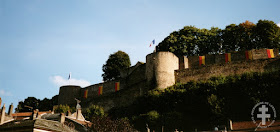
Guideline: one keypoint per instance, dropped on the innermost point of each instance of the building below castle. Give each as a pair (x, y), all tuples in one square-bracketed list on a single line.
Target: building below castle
[(164, 69), (42, 121)]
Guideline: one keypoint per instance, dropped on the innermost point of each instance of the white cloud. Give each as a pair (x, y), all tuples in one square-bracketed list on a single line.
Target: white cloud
[(5, 93), (60, 81), (278, 24)]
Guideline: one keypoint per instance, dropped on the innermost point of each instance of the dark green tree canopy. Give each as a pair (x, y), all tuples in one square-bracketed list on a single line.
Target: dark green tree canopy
[(92, 111), (191, 41), (267, 34), (245, 36), (116, 62), (28, 105), (32, 103)]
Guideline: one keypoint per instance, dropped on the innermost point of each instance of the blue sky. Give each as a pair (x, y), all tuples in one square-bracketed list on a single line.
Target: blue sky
[(41, 41)]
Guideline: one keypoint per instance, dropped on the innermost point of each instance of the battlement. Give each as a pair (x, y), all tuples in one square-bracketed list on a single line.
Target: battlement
[(204, 67), (255, 54), (164, 69)]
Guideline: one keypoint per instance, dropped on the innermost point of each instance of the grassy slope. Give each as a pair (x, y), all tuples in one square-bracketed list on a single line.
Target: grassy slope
[(203, 104)]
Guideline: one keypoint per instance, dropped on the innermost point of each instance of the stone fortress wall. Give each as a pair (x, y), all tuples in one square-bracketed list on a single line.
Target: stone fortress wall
[(160, 69), (164, 69)]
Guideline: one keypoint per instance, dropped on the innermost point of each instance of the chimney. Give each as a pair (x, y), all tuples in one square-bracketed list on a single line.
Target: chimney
[(34, 114), (62, 118), (10, 112), (69, 113), (0, 101), (38, 114), (3, 114), (79, 114), (230, 124)]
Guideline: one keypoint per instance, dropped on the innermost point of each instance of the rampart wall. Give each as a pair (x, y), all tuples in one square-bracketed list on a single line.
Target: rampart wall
[(131, 87), (216, 65), (255, 54), (135, 79), (164, 69)]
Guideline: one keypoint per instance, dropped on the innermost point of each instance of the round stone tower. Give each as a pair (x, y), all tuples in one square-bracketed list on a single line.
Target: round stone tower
[(160, 68), (67, 94)]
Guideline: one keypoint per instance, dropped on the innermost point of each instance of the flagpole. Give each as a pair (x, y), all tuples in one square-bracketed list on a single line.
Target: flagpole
[(152, 43), (69, 77)]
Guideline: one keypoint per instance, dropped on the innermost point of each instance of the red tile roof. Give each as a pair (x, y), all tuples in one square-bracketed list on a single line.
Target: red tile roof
[(249, 125), (22, 114), (26, 114)]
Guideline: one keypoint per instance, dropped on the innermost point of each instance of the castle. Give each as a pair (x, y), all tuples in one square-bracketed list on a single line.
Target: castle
[(164, 69)]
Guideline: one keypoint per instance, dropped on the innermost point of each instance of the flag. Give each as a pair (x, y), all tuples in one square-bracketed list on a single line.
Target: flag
[(248, 55), (270, 53), (201, 60), (100, 90), (69, 77), (153, 42), (85, 93), (228, 57), (117, 86)]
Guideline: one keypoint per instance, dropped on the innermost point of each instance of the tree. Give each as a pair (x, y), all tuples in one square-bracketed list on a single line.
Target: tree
[(239, 37), (116, 62), (93, 110), (29, 104), (209, 41), (192, 41), (230, 37), (180, 42), (54, 100), (247, 38), (32, 103), (45, 105), (267, 34), (63, 109)]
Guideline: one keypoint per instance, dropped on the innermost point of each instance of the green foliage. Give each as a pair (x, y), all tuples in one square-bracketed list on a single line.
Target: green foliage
[(116, 63), (105, 124), (267, 34), (192, 41), (45, 104), (230, 37), (29, 104), (203, 104), (63, 109), (92, 111), (152, 116), (32, 103)]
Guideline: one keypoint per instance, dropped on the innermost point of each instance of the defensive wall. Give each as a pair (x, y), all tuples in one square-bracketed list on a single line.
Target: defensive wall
[(256, 60), (164, 69), (158, 72)]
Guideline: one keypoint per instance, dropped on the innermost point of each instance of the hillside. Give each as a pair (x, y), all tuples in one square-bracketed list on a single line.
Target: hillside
[(203, 104)]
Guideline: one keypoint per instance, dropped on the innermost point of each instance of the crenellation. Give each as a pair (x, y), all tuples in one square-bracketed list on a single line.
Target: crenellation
[(218, 58), (164, 69), (259, 54), (183, 62), (238, 56)]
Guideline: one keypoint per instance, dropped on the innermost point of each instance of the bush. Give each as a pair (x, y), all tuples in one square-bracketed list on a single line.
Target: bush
[(63, 109), (105, 124), (92, 111)]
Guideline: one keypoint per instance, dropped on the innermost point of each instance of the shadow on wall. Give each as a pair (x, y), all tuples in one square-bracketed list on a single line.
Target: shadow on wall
[(161, 71), (234, 68)]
